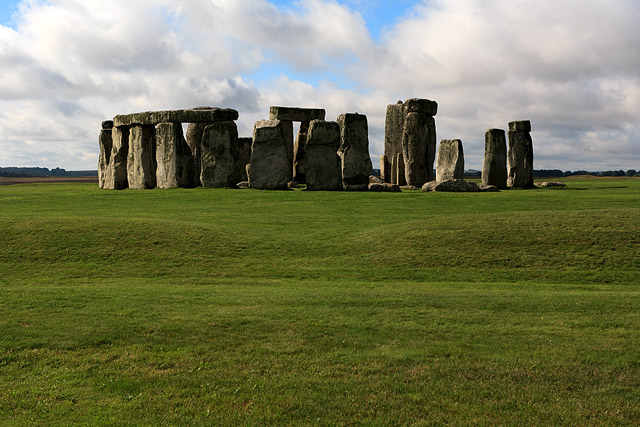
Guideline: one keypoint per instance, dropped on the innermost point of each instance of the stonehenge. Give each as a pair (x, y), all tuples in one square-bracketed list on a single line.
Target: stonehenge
[(150, 150)]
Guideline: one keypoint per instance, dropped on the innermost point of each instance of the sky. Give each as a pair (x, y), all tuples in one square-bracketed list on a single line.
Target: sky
[(572, 67)]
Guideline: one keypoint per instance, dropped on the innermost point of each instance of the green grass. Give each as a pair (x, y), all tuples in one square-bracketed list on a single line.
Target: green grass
[(245, 307)]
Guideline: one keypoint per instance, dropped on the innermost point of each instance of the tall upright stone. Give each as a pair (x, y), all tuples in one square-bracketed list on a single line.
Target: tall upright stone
[(219, 148), (393, 129), (323, 161), (269, 168), (299, 150), (116, 174), (385, 168), (450, 160), (354, 149), (176, 166), (415, 147), (141, 161), (494, 168), (393, 179), (520, 155), (401, 177), (194, 142), (243, 157), (106, 143)]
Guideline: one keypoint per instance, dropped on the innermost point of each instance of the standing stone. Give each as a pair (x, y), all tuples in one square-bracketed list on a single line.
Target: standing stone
[(415, 146), (287, 129), (400, 170), (354, 149), (176, 164), (106, 143), (393, 130), (243, 157), (141, 161), (219, 147), (269, 166), (394, 169), (194, 141), (116, 175), (494, 168), (323, 161), (450, 160), (385, 169), (299, 161), (431, 148), (520, 155)]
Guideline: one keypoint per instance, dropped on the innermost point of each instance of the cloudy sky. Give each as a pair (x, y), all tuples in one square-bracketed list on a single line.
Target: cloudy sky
[(570, 66)]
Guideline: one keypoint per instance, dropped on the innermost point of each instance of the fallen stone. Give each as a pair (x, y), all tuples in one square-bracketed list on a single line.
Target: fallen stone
[(106, 144), (488, 188), (116, 173), (376, 180), (415, 141), (520, 160), (384, 187), (218, 166), (269, 168), (354, 149), (243, 184), (494, 168), (175, 163), (295, 114), (451, 185), (450, 160), (424, 106), (323, 169), (408, 187), (552, 184), (521, 126), (194, 115), (141, 161), (357, 187)]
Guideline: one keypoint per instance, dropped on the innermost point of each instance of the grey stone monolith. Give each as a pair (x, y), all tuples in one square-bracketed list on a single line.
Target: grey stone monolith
[(269, 168), (141, 161), (393, 179), (323, 169), (401, 177), (116, 174), (385, 168), (176, 165), (243, 157), (299, 161), (194, 141), (219, 147), (287, 129), (354, 149), (450, 160), (415, 148), (393, 128), (106, 143), (520, 155), (494, 168)]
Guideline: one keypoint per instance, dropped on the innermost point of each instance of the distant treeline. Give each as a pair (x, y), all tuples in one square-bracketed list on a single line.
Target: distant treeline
[(14, 172), (557, 173)]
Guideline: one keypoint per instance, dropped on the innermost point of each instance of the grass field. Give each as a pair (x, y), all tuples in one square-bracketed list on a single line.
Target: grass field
[(245, 307)]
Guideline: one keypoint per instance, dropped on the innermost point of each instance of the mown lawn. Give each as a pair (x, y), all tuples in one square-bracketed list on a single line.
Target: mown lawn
[(245, 307)]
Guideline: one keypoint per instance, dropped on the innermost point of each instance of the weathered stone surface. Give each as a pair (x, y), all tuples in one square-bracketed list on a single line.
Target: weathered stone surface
[(243, 157), (116, 174), (393, 129), (354, 149), (415, 146), (175, 163), (394, 169), (323, 163), (107, 125), (357, 187), (424, 106), (195, 115), (385, 169), (219, 145), (296, 114), (269, 168), (520, 160), (299, 159), (450, 160), (452, 185), (141, 161), (431, 148), (552, 184), (488, 188), (106, 144), (287, 129), (384, 187), (400, 170), (408, 187), (194, 141), (521, 125), (494, 168), (376, 180)]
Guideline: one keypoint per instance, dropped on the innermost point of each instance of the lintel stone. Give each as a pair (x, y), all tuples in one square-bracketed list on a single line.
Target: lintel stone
[(521, 126), (295, 114), (198, 115), (424, 106)]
